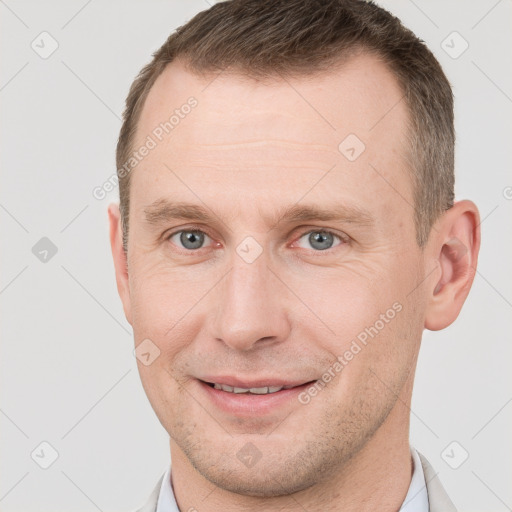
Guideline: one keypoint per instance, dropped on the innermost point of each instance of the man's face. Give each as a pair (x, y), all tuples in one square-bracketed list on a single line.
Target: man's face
[(253, 297)]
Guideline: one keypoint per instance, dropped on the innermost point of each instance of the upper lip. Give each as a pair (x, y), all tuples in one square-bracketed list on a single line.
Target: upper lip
[(252, 383)]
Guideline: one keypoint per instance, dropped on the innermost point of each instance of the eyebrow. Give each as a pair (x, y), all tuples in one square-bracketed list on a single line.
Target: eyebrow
[(163, 211)]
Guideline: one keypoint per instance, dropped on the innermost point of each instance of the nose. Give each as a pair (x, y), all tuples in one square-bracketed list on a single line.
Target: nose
[(251, 306)]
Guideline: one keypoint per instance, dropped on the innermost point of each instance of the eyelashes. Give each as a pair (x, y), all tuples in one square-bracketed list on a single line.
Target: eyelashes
[(325, 234), (192, 240)]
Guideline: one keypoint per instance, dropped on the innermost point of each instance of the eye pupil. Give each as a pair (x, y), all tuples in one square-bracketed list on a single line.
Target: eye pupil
[(321, 240), (192, 239)]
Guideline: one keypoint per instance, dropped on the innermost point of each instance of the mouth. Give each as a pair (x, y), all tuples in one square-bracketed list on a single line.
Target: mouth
[(259, 390), (250, 399)]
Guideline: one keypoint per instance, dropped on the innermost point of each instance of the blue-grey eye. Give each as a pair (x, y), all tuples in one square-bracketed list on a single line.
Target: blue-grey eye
[(190, 239), (320, 240)]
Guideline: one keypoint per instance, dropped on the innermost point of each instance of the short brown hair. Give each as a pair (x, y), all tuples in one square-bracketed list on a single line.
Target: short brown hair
[(272, 38)]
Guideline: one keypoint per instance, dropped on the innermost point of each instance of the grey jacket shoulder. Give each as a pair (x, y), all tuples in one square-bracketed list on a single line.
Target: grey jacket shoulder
[(152, 502), (438, 500)]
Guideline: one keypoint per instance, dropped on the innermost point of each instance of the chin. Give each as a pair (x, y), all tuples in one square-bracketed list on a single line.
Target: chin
[(260, 482), (270, 476)]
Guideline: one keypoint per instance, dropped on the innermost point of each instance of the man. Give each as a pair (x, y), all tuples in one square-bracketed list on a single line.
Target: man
[(286, 231)]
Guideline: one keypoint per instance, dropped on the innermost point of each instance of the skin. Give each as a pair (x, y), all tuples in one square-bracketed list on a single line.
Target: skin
[(247, 151)]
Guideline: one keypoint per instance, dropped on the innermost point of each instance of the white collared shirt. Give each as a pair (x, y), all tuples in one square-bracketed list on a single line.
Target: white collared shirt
[(416, 499)]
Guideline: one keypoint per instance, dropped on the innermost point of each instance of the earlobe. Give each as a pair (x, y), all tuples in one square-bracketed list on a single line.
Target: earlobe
[(456, 243), (120, 259)]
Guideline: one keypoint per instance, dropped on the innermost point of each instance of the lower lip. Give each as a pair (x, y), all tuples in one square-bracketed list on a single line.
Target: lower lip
[(248, 404)]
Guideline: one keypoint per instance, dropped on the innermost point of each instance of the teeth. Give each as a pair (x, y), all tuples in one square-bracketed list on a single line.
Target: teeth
[(259, 391), (256, 391)]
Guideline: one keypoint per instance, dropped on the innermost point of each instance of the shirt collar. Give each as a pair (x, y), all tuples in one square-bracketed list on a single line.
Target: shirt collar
[(416, 499), (166, 499)]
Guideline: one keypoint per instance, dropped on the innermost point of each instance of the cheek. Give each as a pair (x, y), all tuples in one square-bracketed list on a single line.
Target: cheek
[(347, 298), (367, 308), (162, 296), (158, 304)]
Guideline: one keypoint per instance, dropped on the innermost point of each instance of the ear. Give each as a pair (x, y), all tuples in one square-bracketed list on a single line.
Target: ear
[(454, 247), (120, 259)]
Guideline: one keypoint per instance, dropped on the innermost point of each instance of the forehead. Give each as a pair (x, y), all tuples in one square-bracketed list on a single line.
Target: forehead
[(354, 97), (251, 135)]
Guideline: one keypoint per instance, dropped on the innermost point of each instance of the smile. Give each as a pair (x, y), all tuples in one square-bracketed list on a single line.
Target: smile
[(249, 399), (264, 390)]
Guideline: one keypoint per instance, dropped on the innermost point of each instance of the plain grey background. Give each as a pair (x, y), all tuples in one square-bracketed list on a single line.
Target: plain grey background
[(68, 374)]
